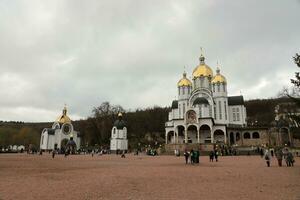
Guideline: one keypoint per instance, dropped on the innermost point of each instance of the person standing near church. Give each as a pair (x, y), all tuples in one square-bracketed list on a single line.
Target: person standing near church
[(279, 156), (186, 155), (267, 157)]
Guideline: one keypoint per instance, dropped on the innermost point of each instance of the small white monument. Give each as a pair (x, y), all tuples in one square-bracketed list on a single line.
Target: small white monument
[(118, 141)]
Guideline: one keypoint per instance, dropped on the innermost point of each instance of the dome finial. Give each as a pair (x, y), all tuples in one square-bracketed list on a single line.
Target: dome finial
[(218, 68), (184, 73), (202, 58), (65, 110)]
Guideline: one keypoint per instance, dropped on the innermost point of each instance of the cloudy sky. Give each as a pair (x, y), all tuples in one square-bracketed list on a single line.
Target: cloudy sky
[(132, 52)]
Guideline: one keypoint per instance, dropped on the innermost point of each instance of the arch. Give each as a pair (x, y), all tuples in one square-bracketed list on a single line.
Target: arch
[(219, 136), (247, 135), (232, 140), (205, 134), (170, 137), (237, 136), (192, 134), (255, 135), (63, 144), (180, 130)]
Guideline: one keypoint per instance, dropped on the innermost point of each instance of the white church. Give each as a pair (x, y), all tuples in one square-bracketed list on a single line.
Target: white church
[(203, 111), (60, 135)]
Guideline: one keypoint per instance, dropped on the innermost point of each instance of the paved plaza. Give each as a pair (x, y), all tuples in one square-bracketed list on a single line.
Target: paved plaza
[(143, 177)]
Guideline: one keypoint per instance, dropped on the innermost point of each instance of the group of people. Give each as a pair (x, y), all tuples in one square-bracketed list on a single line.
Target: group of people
[(213, 155), (193, 156), (280, 155)]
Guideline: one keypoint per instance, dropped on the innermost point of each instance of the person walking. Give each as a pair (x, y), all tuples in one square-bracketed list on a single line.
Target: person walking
[(216, 155), (290, 159), (53, 154), (267, 157), (211, 156), (186, 155), (192, 156), (279, 156)]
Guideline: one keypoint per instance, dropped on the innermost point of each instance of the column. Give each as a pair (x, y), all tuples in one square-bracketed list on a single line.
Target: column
[(211, 136), (174, 137), (225, 138), (185, 134), (198, 136), (166, 137)]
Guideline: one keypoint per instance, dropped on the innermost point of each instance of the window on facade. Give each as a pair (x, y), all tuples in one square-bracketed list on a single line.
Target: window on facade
[(233, 114), (237, 116), (210, 114), (201, 82), (179, 108), (213, 87), (224, 88), (225, 110), (179, 91), (220, 110), (183, 90), (218, 87), (246, 135), (183, 109)]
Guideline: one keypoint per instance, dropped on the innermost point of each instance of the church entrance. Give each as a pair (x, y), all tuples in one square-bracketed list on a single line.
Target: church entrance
[(63, 144), (232, 141), (192, 134), (219, 137), (204, 134), (180, 134)]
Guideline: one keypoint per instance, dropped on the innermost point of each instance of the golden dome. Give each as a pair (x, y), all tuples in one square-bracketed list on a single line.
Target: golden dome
[(218, 78), (63, 118), (202, 69), (184, 81)]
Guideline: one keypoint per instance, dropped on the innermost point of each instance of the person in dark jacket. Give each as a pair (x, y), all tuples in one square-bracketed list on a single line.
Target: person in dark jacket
[(192, 156), (211, 156), (186, 155)]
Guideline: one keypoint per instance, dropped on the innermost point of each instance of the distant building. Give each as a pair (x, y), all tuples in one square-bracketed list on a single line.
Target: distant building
[(118, 141), (60, 134)]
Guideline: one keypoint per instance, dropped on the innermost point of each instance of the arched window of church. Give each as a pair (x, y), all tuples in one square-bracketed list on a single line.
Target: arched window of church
[(220, 110), (218, 87), (183, 90), (213, 88), (183, 108), (246, 135), (201, 82), (255, 135)]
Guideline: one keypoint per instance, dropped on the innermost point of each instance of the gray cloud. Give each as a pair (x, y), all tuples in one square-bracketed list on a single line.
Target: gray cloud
[(132, 53)]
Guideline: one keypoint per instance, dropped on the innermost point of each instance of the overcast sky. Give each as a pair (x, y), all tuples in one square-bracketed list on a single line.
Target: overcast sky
[(132, 53)]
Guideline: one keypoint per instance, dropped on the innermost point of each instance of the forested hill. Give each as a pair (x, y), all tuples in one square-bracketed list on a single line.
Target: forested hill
[(144, 126)]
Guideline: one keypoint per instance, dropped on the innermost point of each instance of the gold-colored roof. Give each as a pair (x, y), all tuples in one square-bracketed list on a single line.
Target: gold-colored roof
[(202, 69), (218, 78), (184, 81), (63, 118)]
